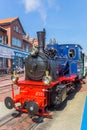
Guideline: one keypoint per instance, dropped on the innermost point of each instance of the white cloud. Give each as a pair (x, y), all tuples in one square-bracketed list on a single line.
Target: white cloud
[(53, 4), (35, 5), (39, 6), (31, 5)]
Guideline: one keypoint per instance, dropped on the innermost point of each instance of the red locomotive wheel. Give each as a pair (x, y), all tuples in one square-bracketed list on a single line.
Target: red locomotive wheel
[(9, 102)]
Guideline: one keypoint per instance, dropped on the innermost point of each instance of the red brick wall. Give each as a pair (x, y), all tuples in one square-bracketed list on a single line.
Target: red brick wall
[(19, 35), (8, 28), (11, 32)]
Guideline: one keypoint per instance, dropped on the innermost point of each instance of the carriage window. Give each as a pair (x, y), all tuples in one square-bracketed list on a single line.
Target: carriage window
[(71, 53)]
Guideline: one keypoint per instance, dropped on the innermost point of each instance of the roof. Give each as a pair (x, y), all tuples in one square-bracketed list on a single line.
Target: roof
[(70, 45), (9, 21), (3, 29)]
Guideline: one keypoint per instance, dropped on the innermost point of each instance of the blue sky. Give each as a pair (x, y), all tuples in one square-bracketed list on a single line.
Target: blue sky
[(65, 20)]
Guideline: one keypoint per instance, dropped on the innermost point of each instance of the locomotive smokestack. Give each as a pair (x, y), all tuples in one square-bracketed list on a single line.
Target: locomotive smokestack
[(41, 40)]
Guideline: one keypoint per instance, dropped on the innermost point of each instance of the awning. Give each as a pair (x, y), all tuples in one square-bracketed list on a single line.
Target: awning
[(6, 52), (10, 52)]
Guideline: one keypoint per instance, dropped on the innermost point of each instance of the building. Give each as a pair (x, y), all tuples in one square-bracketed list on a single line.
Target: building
[(14, 43), (34, 41)]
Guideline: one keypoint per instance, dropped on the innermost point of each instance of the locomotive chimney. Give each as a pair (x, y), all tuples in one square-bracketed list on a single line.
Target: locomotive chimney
[(41, 40)]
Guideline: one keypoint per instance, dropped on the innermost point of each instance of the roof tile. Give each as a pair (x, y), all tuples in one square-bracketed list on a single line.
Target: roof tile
[(8, 20)]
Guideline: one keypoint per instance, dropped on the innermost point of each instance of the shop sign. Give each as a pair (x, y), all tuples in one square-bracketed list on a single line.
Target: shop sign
[(18, 54), (6, 52)]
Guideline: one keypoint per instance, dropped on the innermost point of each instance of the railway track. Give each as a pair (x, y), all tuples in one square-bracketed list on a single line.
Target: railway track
[(19, 121), (16, 120), (8, 118), (22, 121), (6, 90)]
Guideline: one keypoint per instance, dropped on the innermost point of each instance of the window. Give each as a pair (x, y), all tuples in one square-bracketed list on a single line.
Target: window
[(72, 53), (27, 49), (1, 39), (80, 55), (6, 40), (16, 42), (16, 29)]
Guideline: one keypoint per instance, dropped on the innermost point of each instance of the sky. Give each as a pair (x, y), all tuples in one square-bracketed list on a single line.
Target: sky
[(64, 20)]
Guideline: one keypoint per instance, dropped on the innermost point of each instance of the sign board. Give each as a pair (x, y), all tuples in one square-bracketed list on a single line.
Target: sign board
[(6, 52), (9, 52)]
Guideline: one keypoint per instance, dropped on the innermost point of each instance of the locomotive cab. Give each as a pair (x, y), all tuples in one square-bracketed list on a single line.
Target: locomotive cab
[(73, 52)]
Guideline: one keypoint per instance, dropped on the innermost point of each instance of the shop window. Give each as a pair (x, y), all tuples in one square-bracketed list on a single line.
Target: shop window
[(16, 42)]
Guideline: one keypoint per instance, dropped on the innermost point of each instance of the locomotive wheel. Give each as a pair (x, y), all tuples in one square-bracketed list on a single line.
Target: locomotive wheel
[(32, 107), (58, 95), (9, 102), (56, 99)]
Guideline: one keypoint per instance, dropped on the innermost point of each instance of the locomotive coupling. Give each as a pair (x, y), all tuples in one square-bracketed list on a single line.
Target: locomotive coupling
[(47, 78), (14, 77)]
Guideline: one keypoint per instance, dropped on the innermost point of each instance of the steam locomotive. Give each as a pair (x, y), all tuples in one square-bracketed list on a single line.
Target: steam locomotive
[(51, 72)]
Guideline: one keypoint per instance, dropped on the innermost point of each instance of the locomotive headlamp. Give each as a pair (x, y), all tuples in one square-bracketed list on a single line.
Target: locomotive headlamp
[(47, 79), (14, 77), (33, 51)]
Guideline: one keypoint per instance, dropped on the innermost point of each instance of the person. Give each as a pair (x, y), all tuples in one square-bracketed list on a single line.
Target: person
[(7, 70)]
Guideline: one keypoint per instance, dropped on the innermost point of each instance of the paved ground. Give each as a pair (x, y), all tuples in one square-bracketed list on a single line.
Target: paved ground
[(67, 117), (6, 92), (70, 117), (3, 110)]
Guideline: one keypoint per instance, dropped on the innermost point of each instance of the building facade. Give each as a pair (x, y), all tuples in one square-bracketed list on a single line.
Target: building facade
[(14, 43)]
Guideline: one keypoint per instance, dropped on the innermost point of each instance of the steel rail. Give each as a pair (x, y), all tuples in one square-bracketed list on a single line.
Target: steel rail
[(8, 117)]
